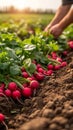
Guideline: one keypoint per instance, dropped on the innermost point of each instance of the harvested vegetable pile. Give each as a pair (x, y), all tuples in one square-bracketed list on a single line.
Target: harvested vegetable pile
[(36, 80)]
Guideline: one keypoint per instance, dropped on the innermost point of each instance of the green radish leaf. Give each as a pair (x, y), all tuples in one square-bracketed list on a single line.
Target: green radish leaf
[(11, 53), (44, 60), (2, 44), (14, 70), (21, 79), (2, 78), (4, 66), (32, 68), (3, 55), (29, 47), (18, 51), (13, 43), (54, 46), (27, 63)]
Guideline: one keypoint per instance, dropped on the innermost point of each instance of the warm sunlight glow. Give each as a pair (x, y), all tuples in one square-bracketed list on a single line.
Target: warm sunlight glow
[(34, 4), (20, 4)]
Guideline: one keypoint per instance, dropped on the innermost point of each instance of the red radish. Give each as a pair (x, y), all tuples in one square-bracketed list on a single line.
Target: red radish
[(25, 74), (54, 55), (34, 84), (12, 86), (2, 86), (38, 66), (50, 66), (65, 53), (70, 43), (2, 117), (39, 76), (49, 72), (44, 72), (63, 64), (16, 94), (40, 70), (7, 92), (23, 69), (30, 78), (27, 92), (57, 67), (33, 78), (59, 59)]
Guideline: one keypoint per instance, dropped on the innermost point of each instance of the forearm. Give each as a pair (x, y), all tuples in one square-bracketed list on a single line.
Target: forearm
[(62, 11), (67, 20)]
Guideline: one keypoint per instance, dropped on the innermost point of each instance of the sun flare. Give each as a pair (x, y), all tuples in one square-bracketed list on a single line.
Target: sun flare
[(33, 4), (20, 4)]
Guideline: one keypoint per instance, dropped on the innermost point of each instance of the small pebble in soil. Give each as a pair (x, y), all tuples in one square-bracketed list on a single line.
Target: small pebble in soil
[(60, 120), (58, 110), (49, 113), (35, 124), (53, 126)]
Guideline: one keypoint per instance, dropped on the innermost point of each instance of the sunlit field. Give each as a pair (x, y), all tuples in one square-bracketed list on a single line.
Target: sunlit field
[(44, 18), (36, 71)]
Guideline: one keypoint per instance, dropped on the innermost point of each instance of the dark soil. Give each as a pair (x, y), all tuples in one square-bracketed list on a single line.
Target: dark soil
[(50, 109)]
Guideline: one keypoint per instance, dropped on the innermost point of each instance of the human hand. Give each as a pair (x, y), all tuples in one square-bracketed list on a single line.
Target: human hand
[(47, 28), (56, 30)]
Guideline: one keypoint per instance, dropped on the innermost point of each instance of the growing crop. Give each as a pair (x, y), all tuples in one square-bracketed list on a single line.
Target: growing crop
[(29, 56), (24, 63)]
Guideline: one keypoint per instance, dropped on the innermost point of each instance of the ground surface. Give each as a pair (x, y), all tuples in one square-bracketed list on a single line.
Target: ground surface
[(50, 109)]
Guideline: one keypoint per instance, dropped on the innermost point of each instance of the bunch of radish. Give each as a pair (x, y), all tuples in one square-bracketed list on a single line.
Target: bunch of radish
[(13, 90), (59, 59), (26, 90)]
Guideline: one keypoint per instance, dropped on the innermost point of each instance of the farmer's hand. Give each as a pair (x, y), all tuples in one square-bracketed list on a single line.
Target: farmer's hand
[(47, 28), (56, 30)]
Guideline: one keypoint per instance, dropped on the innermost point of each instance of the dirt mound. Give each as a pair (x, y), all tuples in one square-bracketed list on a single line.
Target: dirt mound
[(50, 109)]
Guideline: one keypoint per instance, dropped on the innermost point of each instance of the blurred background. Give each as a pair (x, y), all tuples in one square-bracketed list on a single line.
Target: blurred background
[(24, 17), (43, 5)]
